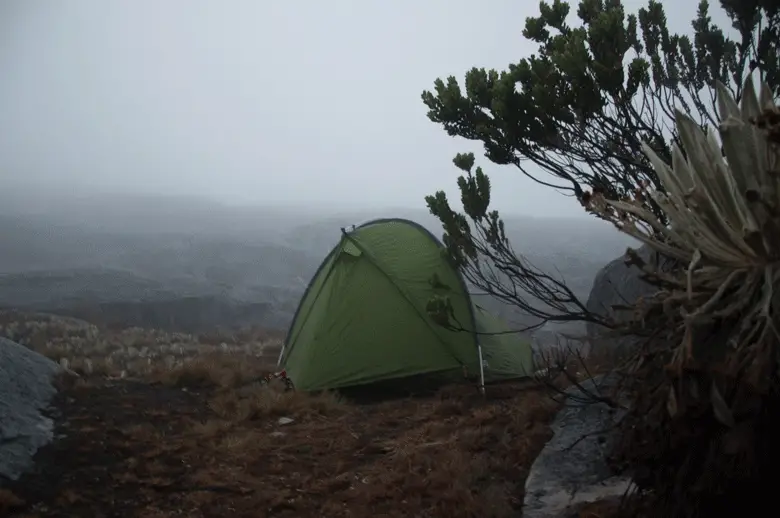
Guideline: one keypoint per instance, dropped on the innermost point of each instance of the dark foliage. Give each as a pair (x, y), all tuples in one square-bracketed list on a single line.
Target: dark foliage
[(579, 110)]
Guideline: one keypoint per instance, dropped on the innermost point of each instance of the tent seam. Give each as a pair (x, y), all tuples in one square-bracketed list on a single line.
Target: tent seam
[(406, 297)]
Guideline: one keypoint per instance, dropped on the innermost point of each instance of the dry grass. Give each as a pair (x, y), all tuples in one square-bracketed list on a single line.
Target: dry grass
[(225, 452), (133, 353), (213, 369), (199, 438)]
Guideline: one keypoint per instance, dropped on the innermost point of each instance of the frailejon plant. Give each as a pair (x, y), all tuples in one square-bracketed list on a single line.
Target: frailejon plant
[(706, 391), (722, 202)]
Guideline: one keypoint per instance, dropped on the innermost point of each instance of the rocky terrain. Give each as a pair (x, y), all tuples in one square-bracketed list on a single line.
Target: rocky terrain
[(153, 424), (157, 424)]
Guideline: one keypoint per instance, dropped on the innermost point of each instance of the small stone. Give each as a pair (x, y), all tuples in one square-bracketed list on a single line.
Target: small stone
[(285, 420)]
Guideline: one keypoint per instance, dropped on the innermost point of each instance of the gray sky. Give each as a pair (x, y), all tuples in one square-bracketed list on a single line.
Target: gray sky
[(253, 101)]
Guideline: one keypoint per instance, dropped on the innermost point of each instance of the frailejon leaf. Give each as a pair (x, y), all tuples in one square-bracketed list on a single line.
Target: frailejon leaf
[(727, 106), (671, 403), (720, 408), (693, 388)]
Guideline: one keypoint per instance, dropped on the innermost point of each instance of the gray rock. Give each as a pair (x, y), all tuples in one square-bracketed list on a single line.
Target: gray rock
[(572, 468), (25, 391), (615, 284)]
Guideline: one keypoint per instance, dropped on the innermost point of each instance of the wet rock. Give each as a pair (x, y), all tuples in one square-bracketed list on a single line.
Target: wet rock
[(25, 392), (572, 468), (616, 284)]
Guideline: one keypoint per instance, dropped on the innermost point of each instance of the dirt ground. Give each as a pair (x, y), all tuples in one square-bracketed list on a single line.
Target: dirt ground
[(193, 444)]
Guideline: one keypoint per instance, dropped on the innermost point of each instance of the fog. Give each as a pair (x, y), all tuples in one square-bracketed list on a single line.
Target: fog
[(249, 102)]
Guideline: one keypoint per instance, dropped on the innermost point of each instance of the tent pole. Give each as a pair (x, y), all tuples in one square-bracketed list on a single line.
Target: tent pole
[(481, 371), (279, 361)]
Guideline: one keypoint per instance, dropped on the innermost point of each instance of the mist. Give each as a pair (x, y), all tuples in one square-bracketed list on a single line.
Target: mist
[(252, 103)]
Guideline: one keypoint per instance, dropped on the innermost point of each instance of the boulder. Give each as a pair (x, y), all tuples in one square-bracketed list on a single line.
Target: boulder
[(26, 390), (572, 469), (615, 284)]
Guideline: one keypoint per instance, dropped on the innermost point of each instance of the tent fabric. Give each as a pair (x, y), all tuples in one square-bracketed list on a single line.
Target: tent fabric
[(503, 356), (363, 318)]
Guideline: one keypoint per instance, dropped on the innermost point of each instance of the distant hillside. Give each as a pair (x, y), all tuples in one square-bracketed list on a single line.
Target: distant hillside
[(188, 314), (152, 261)]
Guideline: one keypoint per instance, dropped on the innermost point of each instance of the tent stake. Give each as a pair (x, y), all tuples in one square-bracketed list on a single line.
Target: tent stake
[(279, 361), (481, 371)]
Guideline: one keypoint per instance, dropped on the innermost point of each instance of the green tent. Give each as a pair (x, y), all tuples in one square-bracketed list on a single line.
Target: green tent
[(363, 318)]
